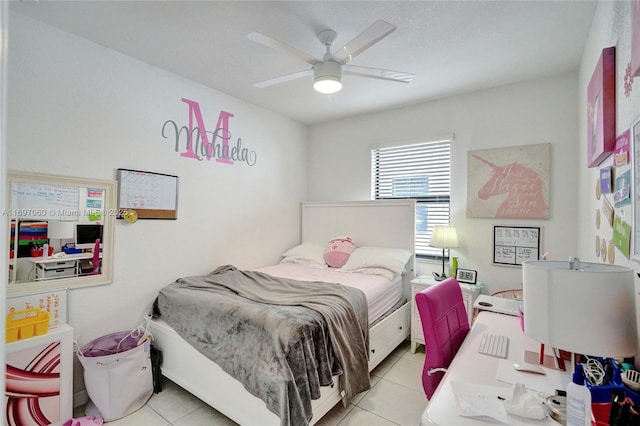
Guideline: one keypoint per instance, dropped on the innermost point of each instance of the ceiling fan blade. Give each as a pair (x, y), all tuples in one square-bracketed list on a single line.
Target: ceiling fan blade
[(402, 77), (275, 44), (373, 34), (283, 78)]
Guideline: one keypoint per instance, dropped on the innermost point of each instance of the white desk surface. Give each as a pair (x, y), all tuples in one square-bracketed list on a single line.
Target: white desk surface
[(67, 257), (471, 367), (497, 304)]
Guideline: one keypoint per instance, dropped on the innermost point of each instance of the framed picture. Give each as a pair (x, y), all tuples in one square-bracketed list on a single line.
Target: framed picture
[(635, 188), (466, 276), (513, 245), (150, 195), (601, 109), (498, 180)]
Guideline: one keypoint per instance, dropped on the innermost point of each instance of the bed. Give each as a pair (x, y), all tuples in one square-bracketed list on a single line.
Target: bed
[(371, 224)]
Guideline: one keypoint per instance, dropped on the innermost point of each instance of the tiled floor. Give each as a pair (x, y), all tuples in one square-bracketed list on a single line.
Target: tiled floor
[(395, 398)]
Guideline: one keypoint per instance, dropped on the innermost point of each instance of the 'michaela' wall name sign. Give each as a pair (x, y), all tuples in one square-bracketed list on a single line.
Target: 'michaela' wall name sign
[(199, 143)]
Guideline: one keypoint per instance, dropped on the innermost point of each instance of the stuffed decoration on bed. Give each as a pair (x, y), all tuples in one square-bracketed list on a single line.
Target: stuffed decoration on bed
[(338, 251)]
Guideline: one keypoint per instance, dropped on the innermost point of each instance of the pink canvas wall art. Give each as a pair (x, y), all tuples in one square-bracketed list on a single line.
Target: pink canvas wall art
[(601, 109), (509, 182), (33, 386)]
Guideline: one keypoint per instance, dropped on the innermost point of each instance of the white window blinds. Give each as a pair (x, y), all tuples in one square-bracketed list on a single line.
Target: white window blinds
[(418, 171)]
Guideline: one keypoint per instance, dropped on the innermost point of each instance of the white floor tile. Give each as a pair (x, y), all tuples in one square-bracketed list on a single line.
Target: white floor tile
[(385, 365), (407, 373), (204, 416), (173, 402), (335, 415), (143, 417), (394, 402), (360, 417)]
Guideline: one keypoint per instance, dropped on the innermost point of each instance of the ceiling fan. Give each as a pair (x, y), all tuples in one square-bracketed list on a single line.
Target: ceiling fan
[(327, 72)]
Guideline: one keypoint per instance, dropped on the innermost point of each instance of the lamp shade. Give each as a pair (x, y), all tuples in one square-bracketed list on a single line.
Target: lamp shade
[(444, 236), (327, 77), (589, 310), (60, 229)]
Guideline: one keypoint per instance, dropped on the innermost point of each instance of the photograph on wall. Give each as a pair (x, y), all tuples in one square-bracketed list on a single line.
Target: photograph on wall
[(622, 235), (621, 153), (601, 109), (509, 183), (606, 175), (622, 190)]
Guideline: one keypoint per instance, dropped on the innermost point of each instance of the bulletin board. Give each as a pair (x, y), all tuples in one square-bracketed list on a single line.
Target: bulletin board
[(151, 195), (513, 245)]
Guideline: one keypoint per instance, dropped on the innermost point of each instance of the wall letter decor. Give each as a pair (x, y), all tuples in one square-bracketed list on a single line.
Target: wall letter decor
[(199, 143)]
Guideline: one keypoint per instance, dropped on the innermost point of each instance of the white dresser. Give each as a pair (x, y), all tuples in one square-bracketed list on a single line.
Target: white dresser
[(469, 294)]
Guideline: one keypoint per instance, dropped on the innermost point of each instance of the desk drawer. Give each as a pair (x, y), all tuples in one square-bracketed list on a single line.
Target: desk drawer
[(63, 264), (55, 270)]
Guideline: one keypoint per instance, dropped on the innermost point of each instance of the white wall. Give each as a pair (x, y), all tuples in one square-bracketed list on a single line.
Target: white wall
[(79, 109), (611, 26), (535, 112)]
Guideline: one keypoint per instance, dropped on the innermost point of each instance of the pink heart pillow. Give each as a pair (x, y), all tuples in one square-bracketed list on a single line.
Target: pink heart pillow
[(338, 251)]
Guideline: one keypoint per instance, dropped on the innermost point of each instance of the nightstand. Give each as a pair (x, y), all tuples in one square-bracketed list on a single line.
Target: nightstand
[(469, 294)]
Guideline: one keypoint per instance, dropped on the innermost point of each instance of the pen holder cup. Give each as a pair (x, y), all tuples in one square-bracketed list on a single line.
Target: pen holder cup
[(39, 252)]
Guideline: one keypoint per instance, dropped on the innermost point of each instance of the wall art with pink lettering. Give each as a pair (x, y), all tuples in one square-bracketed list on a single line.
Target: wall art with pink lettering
[(509, 183)]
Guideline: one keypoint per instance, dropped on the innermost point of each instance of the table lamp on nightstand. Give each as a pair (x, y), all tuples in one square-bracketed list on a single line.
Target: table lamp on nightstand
[(444, 237), (584, 308)]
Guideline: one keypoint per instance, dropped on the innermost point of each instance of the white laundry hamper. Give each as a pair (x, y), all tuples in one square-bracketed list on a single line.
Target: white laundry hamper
[(117, 373)]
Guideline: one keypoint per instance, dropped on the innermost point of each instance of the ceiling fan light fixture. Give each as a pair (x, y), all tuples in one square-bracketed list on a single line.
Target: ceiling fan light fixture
[(327, 77)]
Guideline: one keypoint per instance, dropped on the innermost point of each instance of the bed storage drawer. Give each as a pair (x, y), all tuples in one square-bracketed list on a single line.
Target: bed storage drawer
[(385, 336)]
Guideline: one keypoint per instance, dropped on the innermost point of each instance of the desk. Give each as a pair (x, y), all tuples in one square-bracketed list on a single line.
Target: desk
[(49, 268), (500, 305), (472, 367)]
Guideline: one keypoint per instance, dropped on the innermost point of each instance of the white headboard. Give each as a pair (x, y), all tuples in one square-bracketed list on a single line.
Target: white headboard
[(379, 223)]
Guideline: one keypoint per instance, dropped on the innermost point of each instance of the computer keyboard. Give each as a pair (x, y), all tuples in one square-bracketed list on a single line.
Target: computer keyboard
[(494, 345)]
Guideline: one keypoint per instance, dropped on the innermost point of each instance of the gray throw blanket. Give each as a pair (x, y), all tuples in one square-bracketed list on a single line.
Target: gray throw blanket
[(282, 348)]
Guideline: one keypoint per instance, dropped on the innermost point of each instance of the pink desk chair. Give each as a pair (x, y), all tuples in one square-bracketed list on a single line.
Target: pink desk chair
[(96, 259), (445, 325)]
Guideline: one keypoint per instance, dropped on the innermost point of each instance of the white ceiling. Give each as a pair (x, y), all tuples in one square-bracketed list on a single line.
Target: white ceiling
[(452, 47)]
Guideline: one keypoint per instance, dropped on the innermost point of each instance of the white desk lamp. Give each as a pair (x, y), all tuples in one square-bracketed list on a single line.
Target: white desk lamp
[(444, 237), (584, 308), (61, 229)]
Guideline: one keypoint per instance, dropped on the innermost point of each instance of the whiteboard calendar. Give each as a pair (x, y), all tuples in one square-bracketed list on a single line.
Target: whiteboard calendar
[(513, 245), (151, 195)]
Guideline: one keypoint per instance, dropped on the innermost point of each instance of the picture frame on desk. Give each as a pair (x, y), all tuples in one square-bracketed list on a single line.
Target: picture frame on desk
[(467, 276)]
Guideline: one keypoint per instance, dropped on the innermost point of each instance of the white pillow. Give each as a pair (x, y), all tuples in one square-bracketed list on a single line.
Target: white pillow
[(393, 259), (306, 253)]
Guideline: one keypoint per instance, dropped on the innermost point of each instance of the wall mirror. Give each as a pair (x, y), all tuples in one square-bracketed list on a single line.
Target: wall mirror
[(62, 231)]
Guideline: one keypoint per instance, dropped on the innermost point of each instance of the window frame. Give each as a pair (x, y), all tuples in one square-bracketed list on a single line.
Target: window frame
[(423, 251)]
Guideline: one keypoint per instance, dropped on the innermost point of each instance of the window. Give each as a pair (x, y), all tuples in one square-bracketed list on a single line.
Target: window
[(420, 171)]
